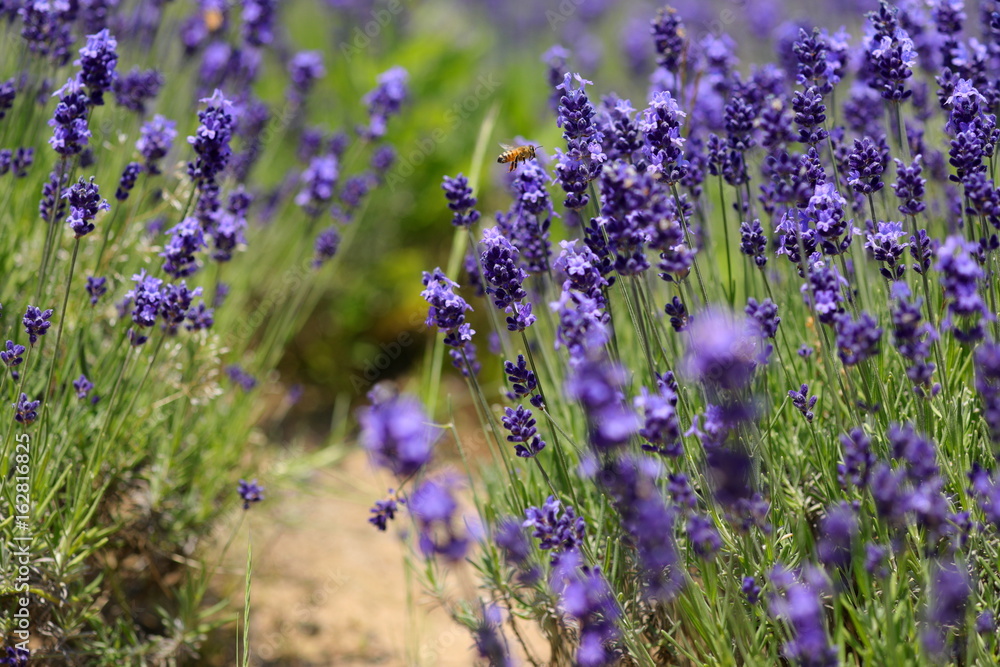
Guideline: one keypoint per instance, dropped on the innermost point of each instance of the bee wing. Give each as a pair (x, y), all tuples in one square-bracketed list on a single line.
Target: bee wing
[(506, 147)]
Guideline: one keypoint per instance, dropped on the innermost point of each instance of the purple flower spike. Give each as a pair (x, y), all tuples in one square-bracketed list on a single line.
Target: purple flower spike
[(753, 242), (384, 511), (987, 364), (13, 355), (959, 278), (909, 187), (949, 596), (327, 243), (866, 163), (186, 239), (434, 508), (664, 146), (305, 68), (70, 132), (857, 340), (83, 386), (798, 603), (319, 181), (25, 411), (751, 590), (460, 201), (36, 323), (398, 434), (556, 528), (211, 141), (84, 204), (155, 140), (803, 402), (721, 352), (885, 247), (669, 38), (250, 492), (385, 100), (129, 176), (137, 88), (597, 385), (521, 424), (704, 536), (98, 60), (661, 428)]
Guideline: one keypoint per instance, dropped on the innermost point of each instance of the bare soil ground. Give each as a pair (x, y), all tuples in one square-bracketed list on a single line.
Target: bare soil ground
[(330, 589)]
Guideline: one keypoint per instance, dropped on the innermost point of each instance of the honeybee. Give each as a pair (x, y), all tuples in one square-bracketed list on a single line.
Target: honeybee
[(214, 18), (516, 154)]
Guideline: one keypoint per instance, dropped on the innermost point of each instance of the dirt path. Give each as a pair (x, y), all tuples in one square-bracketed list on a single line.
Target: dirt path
[(329, 589)]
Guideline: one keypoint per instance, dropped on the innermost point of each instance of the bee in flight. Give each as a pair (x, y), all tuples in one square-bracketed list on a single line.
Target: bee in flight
[(516, 154)]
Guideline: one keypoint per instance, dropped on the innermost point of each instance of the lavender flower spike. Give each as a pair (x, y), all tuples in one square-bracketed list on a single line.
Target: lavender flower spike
[(84, 204)]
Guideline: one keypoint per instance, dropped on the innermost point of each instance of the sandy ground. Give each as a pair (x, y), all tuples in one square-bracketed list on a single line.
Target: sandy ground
[(328, 588)]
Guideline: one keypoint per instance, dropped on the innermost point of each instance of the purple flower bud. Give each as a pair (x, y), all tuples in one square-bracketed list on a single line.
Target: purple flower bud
[(721, 352), (753, 242), (703, 535), (83, 386), (798, 603), (259, 21), (155, 140), (669, 38), (385, 100), (909, 187), (8, 91), (98, 60), (664, 145), (319, 182), (129, 175), (837, 531), (36, 323), (866, 163), (521, 424), (803, 402), (13, 355), (751, 590), (383, 512), (137, 88), (25, 411), (211, 141), (186, 239), (23, 159), (557, 528), (327, 243), (885, 247), (305, 68), (810, 116), (959, 277), (70, 132), (434, 507), (84, 204), (397, 433), (250, 492), (857, 340), (597, 385)]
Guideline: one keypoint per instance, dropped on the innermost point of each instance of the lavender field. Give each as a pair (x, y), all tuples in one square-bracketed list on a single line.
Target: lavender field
[(600, 333)]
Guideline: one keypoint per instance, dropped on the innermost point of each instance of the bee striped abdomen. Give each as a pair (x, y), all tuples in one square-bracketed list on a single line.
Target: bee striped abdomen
[(515, 155)]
